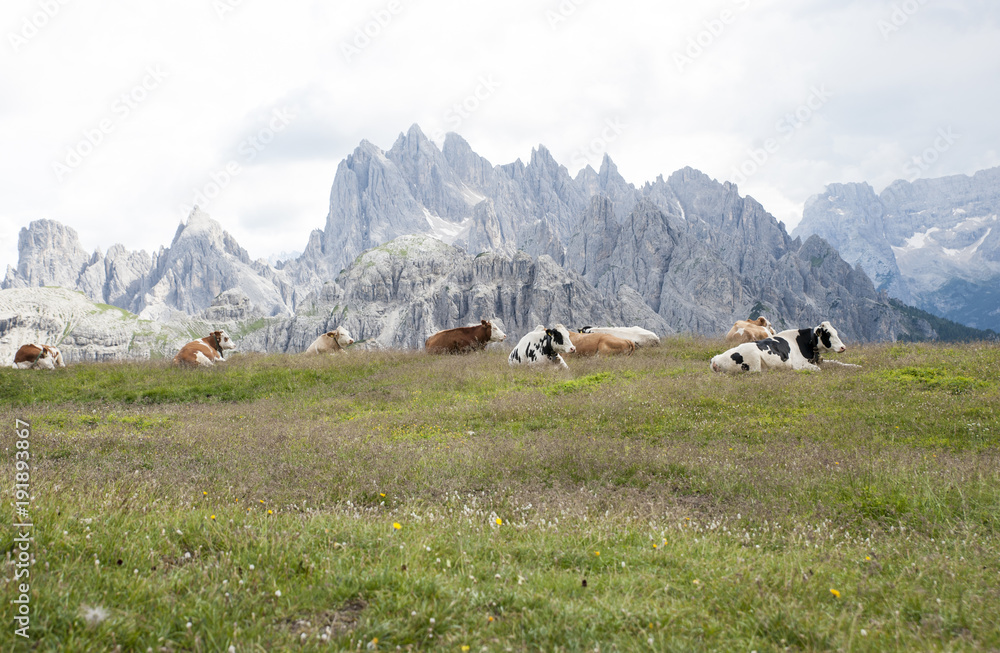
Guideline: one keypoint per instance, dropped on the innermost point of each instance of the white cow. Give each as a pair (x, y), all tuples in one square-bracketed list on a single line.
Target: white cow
[(641, 337), (543, 345), (331, 342), (796, 349)]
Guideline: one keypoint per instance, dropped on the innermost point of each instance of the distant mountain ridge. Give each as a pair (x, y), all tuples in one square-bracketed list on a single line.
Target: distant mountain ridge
[(681, 254), (933, 243)]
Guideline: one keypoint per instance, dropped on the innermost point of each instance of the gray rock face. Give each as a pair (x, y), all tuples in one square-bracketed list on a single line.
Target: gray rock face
[(370, 204), (231, 306), (400, 293), (82, 329), (933, 242), (430, 180), (485, 234), (49, 254), (202, 262), (851, 218)]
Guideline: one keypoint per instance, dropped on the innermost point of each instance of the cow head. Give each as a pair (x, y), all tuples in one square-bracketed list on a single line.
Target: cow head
[(763, 321), (223, 340), (561, 344), (827, 339), (342, 336), (496, 334), (57, 359)]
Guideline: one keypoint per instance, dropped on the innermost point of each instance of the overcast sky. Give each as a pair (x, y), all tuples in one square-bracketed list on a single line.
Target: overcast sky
[(114, 116)]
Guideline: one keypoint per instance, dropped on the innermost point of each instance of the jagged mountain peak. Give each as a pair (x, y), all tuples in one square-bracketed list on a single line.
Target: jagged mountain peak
[(688, 250), (932, 242)]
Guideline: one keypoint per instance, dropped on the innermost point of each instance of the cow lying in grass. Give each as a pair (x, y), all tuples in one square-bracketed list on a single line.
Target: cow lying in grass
[(463, 339), (750, 331), (641, 337), (206, 351), (600, 344), (795, 349), (331, 342), (38, 357), (543, 346)]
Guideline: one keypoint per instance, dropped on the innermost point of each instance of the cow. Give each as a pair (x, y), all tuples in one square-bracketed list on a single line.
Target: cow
[(750, 331), (796, 349), (38, 357), (463, 339), (592, 344), (543, 345), (641, 337), (331, 342), (205, 352)]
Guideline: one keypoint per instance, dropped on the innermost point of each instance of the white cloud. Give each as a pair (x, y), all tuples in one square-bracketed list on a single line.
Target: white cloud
[(553, 81)]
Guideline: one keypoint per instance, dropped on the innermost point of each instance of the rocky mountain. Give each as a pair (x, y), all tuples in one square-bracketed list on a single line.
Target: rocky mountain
[(398, 294), (202, 261), (933, 243), (82, 329), (419, 238)]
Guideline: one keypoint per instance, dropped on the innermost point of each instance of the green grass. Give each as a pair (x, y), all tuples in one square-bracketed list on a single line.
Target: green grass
[(644, 503)]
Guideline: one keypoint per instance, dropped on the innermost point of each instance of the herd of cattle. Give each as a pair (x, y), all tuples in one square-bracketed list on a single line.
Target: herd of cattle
[(757, 346)]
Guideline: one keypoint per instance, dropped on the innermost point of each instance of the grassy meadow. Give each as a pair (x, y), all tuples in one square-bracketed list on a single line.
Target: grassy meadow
[(399, 501)]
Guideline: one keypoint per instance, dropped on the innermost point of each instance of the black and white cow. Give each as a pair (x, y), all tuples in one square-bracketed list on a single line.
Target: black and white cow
[(796, 349), (543, 346)]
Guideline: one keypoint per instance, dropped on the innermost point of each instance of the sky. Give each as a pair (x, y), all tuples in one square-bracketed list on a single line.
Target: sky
[(116, 117)]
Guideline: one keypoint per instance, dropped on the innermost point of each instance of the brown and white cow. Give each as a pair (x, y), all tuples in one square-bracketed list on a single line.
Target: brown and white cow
[(750, 331), (600, 344), (38, 357), (463, 339), (331, 342), (207, 351)]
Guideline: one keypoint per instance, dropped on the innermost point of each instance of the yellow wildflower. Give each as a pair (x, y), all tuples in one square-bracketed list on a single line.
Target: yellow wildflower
[(396, 525), (835, 593)]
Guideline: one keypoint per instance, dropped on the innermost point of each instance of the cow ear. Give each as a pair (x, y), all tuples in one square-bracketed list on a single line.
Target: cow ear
[(548, 332), (483, 322)]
